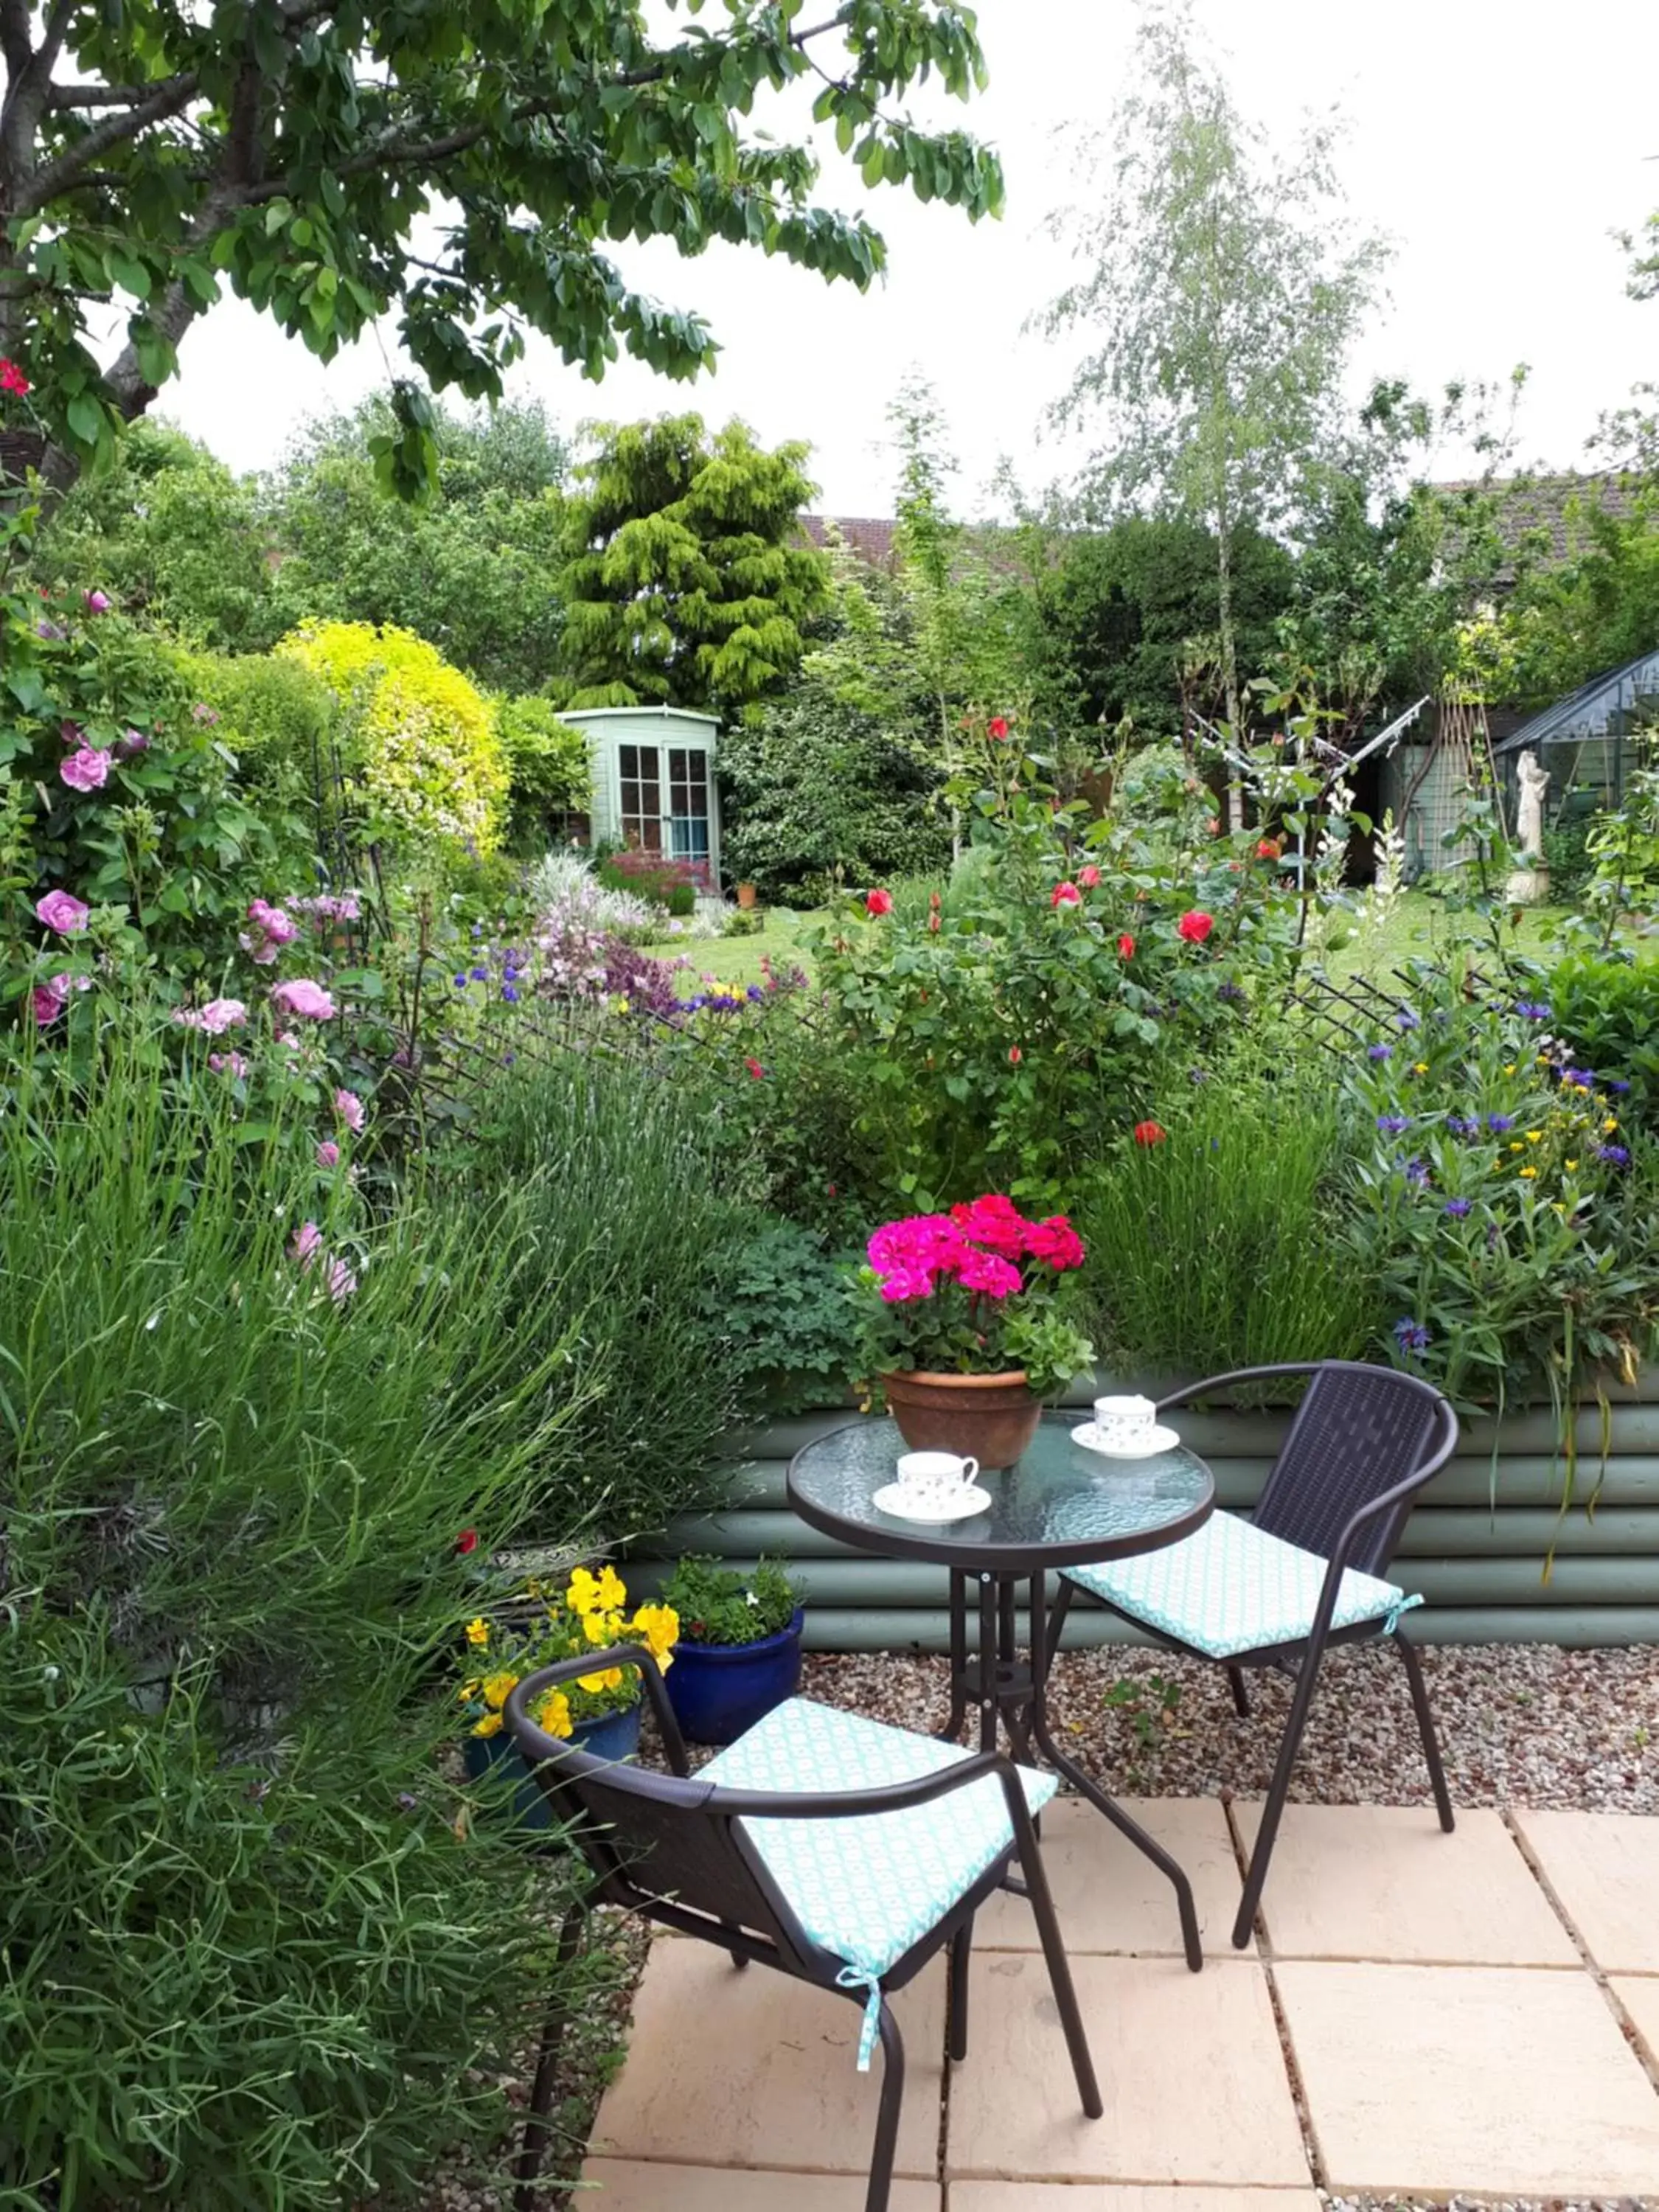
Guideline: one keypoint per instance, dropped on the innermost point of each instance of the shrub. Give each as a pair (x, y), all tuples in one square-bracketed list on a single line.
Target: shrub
[(1609, 1012), (413, 733), (779, 1304), (1221, 1233), (715, 1605), (254, 1951), (550, 770), (651, 876)]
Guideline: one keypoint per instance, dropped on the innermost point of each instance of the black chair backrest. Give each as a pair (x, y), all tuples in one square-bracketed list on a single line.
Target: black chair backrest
[(650, 1838), (1358, 1432)]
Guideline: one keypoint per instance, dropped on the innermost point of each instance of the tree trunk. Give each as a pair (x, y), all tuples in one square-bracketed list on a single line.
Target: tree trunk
[(1229, 663)]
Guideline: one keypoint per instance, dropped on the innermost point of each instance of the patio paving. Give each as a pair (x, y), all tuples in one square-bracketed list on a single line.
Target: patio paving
[(1475, 2014)]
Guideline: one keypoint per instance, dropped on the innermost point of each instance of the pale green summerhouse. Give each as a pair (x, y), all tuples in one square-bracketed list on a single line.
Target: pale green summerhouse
[(653, 782)]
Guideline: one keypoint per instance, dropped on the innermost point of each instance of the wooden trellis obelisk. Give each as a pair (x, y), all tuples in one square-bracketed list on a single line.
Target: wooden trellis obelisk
[(1458, 759)]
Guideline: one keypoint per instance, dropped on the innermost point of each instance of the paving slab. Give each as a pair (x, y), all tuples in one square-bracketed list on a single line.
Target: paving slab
[(616, 2184), (1494, 2081), (1604, 1867), (1109, 2196), (1110, 1897), (1189, 2066), (1384, 1882), (758, 2070), (1640, 1998)]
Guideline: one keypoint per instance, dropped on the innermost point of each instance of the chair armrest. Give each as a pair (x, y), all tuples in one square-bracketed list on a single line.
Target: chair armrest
[(539, 1744), (849, 1804)]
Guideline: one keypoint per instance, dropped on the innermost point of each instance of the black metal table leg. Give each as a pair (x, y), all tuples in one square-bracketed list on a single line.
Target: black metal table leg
[(952, 1728), (989, 1712)]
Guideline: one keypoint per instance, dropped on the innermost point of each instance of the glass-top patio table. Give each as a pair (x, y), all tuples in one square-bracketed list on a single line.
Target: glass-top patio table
[(1059, 1506)]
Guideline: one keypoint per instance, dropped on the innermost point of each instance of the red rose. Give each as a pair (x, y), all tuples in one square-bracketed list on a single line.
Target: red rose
[(1195, 927), (997, 726), (1089, 877), (467, 1541), (1126, 946), (1065, 895), (878, 901), (754, 1067), (12, 379), (1268, 849), (1150, 1132), (1014, 1055)]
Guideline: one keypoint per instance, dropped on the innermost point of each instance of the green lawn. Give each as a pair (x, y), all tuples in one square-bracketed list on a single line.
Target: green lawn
[(738, 959)]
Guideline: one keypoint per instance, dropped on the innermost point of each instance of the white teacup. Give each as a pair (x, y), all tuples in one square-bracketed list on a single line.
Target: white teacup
[(1125, 1424), (936, 1476)]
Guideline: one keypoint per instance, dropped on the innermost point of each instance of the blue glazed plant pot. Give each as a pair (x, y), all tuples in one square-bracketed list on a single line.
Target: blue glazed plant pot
[(719, 1690), (613, 1735)]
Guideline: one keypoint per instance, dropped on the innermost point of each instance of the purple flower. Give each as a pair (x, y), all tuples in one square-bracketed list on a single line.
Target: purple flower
[(1612, 1156), (1411, 1336), (1499, 1124), (96, 602), (509, 995), (1463, 1125), (328, 1154), (1392, 1125), (62, 911), (1379, 1052), (460, 982), (479, 974), (1620, 1085), (1417, 1174), (130, 742), (1584, 1075), (1458, 1207), (1532, 1010), (51, 632), (1406, 1019), (87, 770)]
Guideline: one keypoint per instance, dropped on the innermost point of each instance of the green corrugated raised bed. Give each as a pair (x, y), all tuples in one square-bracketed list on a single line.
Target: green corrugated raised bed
[(1476, 1548)]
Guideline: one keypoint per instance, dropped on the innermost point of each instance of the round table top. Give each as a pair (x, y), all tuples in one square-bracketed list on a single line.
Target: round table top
[(1058, 1506)]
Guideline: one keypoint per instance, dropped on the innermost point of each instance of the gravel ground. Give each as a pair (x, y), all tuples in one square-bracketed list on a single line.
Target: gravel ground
[(1520, 1725)]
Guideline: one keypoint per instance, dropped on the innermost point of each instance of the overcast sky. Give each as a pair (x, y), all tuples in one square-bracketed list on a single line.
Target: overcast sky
[(1497, 145)]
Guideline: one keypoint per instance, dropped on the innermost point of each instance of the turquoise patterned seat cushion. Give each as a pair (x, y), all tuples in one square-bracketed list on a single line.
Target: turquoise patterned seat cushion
[(1233, 1588), (869, 1887)]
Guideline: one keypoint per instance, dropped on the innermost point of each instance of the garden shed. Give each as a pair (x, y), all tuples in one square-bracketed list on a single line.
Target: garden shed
[(1589, 741), (653, 782)]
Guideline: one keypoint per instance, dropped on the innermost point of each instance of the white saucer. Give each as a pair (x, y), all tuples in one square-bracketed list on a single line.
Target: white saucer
[(1159, 1440), (894, 1499)]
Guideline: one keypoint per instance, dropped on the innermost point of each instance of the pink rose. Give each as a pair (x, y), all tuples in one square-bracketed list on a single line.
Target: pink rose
[(228, 1063), (222, 1014), (1065, 895), (305, 997), (271, 930), (1089, 877), (48, 1002), (86, 770), (328, 1154), (61, 911), (878, 901), (1195, 927), (350, 1108)]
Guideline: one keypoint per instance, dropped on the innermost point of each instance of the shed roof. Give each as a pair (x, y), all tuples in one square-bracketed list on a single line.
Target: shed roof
[(604, 713), (1589, 711)]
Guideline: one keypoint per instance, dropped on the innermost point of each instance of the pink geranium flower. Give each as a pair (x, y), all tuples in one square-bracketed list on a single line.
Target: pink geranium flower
[(61, 911), (85, 770), (305, 997), (992, 1278)]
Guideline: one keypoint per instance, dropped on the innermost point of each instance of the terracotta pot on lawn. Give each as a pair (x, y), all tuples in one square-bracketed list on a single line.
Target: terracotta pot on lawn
[(745, 895), (991, 1416)]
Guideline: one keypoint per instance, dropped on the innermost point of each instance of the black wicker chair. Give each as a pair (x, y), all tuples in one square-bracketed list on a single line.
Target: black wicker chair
[(708, 1860), (1364, 1441)]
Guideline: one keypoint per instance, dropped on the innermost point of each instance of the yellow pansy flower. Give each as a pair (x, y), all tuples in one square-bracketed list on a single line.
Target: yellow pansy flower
[(498, 1689), (1528, 1171), (583, 1595), (489, 1725), (600, 1627), (467, 1691), (610, 1679), (659, 1628), (477, 1632), (553, 1713)]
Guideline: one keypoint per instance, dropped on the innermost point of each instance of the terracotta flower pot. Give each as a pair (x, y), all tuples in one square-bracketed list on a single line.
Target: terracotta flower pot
[(994, 1417), (745, 895)]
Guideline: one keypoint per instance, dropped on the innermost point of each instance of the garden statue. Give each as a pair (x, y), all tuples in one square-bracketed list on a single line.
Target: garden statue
[(1530, 885)]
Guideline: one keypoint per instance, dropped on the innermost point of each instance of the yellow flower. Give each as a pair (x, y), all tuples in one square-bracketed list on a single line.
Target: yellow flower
[(610, 1679), (1582, 1089), (477, 1632), (659, 1628), (1516, 1146), (600, 1593), (1610, 1124), (467, 1691), (498, 1689), (1420, 1068), (1543, 1060), (1509, 1070), (1528, 1171), (489, 1725), (1569, 1165), (1533, 1135), (600, 1627), (553, 1712)]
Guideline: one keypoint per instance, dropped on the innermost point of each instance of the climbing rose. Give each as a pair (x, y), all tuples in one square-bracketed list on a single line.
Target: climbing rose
[(50, 999), (997, 726), (1126, 946), (228, 1063), (754, 1067), (350, 1108), (1065, 895), (86, 770), (303, 997), (272, 929), (878, 901), (61, 912), (1150, 1132), (12, 379), (1195, 926), (1089, 877), (215, 1018), (1269, 848), (1015, 1056)]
